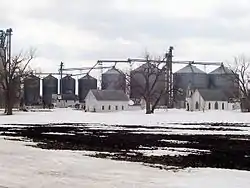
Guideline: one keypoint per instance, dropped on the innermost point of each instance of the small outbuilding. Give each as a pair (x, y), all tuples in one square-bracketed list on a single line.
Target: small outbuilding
[(106, 101), (66, 101), (207, 99)]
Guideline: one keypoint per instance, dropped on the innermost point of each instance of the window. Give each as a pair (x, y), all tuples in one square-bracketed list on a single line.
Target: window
[(209, 106), (122, 107), (196, 105), (216, 106), (116, 107), (109, 107), (223, 106), (103, 108)]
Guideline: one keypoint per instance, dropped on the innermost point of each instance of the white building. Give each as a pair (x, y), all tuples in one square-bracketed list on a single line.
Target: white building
[(106, 101), (65, 101), (207, 99)]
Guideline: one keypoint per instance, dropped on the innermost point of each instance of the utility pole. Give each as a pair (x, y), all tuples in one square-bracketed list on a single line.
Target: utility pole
[(9, 33), (3, 51), (170, 62), (169, 77), (61, 73), (128, 79), (101, 73)]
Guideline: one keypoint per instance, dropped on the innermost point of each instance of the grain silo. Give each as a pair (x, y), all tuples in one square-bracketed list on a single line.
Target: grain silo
[(138, 77), (114, 79), (2, 54), (68, 87), (50, 87), (189, 76), (32, 90), (85, 84), (223, 78)]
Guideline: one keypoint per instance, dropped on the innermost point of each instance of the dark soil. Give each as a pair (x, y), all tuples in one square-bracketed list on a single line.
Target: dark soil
[(226, 151)]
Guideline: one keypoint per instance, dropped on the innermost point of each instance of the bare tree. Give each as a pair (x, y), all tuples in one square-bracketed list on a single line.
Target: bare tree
[(148, 83), (240, 70), (12, 73)]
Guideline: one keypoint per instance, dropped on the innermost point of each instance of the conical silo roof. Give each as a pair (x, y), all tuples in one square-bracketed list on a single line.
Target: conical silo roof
[(145, 66), (113, 70), (221, 70), (190, 69), (49, 77), (67, 77), (87, 77)]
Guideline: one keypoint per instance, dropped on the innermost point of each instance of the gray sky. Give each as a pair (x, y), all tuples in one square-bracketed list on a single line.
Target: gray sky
[(79, 32)]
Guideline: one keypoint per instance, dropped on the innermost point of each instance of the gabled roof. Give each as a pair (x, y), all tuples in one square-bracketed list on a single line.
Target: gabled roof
[(221, 70), (213, 95), (190, 69), (109, 95)]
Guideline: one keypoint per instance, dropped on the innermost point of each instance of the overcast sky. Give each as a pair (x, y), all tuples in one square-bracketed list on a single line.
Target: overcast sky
[(79, 32)]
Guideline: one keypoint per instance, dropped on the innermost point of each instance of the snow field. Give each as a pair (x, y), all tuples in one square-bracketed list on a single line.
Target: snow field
[(24, 166), (125, 118)]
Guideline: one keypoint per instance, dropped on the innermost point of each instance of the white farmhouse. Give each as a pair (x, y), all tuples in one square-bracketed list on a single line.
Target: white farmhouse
[(207, 99), (106, 101)]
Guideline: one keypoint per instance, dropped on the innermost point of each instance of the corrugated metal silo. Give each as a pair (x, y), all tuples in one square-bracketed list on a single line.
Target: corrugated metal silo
[(223, 78), (189, 76), (50, 86), (1, 68), (114, 79), (138, 81), (68, 87), (18, 91), (32, 90), (85, 84), (2, 54)]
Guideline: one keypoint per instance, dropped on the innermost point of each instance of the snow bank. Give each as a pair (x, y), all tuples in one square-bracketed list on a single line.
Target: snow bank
[(23, 166)]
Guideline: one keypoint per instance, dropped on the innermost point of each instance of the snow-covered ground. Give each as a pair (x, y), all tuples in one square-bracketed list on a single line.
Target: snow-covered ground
[(127, 118), (164, 120), (171, 151), (24, 166)]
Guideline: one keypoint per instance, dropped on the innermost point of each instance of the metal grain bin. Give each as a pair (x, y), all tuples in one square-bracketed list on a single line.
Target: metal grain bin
[(114, 79), (68, 88), (189, 76), (223, 78), (85, 84), (17, 94), (1, 67), (2, 54), (50, 87), (32, 90), (138, 80), (68, 85)]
